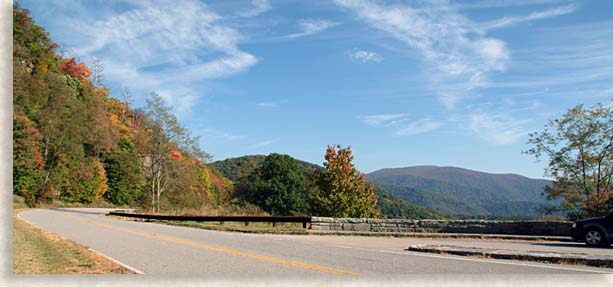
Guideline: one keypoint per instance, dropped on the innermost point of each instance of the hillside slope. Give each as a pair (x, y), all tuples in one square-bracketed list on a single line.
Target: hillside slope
[(461, 191), (391, 206)]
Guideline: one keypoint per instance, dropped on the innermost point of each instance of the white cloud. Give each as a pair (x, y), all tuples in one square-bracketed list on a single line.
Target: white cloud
[(312, 27), (509, 21), (460, 56), (182, 100), (164, 46), (259, 7), (383, 119), (362, 56), (418, 127), (267, 104), (498, 129)]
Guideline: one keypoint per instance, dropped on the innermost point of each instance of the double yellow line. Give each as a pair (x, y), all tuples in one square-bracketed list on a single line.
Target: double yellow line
[(222, 249)]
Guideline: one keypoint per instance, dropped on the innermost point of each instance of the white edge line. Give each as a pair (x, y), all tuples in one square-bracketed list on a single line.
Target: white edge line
[(118, 262), (90, 249), (494, 261)]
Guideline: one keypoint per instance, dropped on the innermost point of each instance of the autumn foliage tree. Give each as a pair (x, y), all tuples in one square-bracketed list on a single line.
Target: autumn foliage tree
[(166, 137), (28, 163), (342, 190), (74, 142)]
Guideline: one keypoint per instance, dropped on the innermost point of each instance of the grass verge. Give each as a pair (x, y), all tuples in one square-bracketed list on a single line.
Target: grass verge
[(296, 228), (253, 227), (36, 251)]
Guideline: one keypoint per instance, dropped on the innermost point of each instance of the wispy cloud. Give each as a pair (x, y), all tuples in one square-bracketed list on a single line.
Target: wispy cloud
[(311, 27), (460, 56), (501, 3), (212, 134), (560, 66), (363, 56), (262, 144), (498, 129), (267, 105), (538, 15), (165, 45), (401, 123), (259, 7), (383, 119), (418, 127)]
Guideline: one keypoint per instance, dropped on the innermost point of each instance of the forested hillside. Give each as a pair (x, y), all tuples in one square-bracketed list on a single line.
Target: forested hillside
[(458, 191), (391, 206), (239, 167), (75, 143)]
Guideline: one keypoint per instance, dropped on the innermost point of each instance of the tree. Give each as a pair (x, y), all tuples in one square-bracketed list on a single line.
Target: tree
[(277, 186), (28, 162), (579, 149), (123, 172), (165, 135), (343, 190), (97, 77)]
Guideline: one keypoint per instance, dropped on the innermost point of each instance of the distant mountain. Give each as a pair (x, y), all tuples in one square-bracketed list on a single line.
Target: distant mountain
[(458, 191), (391, 206)]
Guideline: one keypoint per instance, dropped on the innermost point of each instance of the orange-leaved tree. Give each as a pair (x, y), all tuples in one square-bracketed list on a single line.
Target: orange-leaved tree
[(342, 190)]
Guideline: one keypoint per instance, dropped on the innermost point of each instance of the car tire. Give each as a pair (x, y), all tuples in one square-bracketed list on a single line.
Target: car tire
[(595, 237)]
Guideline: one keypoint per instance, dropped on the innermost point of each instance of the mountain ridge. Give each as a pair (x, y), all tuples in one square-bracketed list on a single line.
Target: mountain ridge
[(461, 191)]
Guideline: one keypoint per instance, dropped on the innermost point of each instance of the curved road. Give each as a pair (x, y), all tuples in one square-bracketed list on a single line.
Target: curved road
[(154, 248)]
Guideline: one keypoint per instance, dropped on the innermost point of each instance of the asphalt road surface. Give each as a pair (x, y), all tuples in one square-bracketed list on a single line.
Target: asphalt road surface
[(160, 249)]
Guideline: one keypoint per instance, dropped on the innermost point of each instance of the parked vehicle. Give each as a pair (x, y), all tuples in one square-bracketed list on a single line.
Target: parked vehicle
[(594, 231)]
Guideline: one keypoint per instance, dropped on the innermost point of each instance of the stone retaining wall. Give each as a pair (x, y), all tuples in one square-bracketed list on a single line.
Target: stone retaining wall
[(551, 228)]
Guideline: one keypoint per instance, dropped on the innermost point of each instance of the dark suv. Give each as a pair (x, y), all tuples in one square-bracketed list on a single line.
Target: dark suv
[(594, 231)]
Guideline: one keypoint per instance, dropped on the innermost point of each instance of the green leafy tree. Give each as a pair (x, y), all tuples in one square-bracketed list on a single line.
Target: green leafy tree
[(123, 172), (579, 149), (342, 190), (277, 186)]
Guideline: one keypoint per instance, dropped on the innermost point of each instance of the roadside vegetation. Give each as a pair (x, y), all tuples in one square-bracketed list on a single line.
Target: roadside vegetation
[(36, 251), (252, 227)]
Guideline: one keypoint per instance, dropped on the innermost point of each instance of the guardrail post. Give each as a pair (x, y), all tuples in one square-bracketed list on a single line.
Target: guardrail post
[(246, 223), (274, 224), (304, 224)]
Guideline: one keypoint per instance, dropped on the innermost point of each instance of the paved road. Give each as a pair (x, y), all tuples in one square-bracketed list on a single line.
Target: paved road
[(169, 250)]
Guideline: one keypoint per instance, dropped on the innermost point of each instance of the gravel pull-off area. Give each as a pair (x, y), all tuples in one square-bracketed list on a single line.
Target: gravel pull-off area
[(539, 256)]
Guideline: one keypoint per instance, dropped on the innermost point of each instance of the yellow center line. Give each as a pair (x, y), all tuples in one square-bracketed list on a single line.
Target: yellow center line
[(221, 249)]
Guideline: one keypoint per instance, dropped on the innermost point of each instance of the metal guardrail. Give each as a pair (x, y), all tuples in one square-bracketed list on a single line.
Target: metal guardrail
[(246, 219)]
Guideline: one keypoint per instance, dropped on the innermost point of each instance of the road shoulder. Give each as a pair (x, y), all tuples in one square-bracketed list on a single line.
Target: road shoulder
[(37, 251)]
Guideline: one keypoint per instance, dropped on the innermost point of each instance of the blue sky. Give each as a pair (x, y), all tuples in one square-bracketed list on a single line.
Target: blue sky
[(451, 83)]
